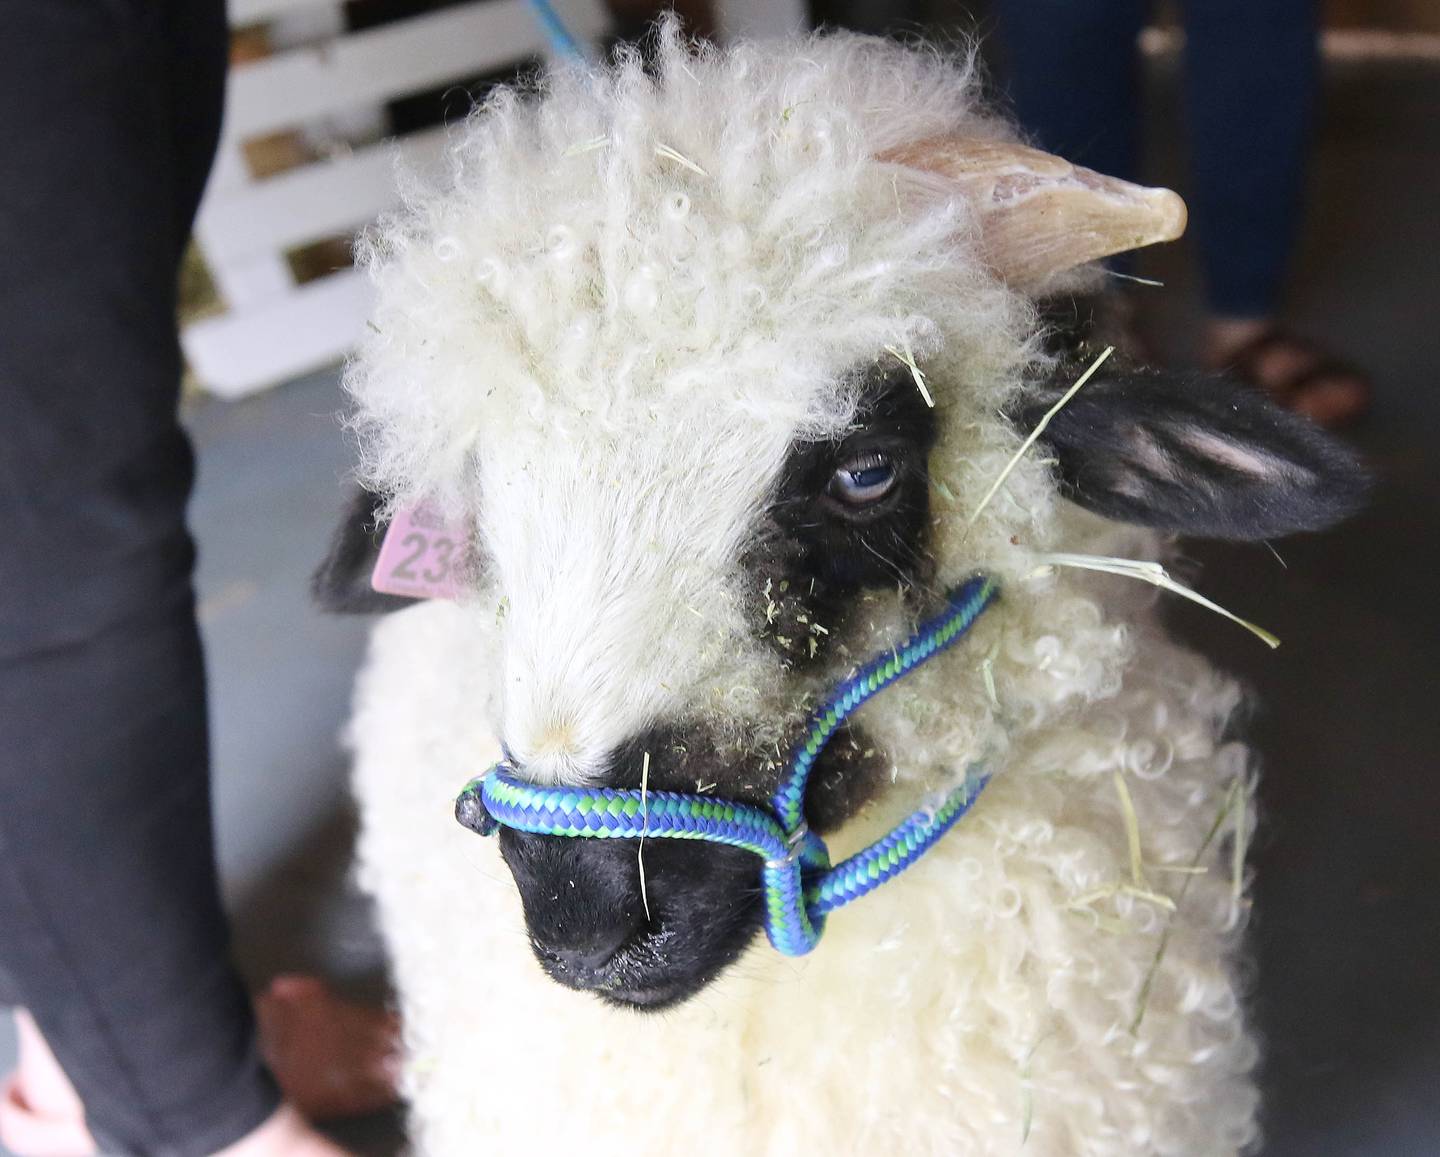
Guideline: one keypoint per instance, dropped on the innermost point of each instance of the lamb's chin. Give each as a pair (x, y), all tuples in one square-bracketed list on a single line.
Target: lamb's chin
[(642, 994), (659, 998), (638, 981)]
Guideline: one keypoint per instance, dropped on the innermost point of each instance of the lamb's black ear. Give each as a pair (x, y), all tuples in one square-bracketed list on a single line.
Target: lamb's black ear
[(341, 583), (1192, 453)]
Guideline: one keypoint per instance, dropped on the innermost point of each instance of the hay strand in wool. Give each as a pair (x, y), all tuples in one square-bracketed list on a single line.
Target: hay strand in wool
[(1154, 574), (1034, 434)]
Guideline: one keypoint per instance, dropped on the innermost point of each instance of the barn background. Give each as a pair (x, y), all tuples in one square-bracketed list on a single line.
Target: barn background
[(1348, 915)]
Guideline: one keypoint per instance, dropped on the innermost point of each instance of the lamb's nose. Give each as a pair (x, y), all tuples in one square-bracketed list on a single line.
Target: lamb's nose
[(589, 964), (582, 903)]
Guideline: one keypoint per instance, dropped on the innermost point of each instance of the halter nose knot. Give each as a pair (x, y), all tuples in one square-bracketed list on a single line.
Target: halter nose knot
[(795, 843)]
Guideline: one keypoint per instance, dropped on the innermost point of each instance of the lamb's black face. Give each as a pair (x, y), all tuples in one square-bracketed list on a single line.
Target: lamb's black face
[(847, 515)]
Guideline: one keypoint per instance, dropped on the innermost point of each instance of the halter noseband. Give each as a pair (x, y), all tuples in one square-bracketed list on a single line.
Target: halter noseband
[(800, 886)]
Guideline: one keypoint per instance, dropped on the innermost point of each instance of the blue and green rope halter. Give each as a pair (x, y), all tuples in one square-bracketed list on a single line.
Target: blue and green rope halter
[(800, 885)]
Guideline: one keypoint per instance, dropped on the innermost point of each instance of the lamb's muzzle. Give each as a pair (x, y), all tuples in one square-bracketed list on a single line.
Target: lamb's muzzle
[(800, 885)]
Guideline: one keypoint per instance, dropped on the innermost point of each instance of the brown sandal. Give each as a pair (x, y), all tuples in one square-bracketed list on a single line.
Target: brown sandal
[(1324, 388), (332, 1057)]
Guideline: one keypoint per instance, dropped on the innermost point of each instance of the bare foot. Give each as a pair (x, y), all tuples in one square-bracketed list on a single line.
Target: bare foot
[(1297, 374), (40, 1112), (285, 1134), (30, 1133), (332, 1057), (41, 1115)]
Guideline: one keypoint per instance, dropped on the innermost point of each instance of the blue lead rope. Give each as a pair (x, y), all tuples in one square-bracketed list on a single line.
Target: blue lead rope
[(800, 885), (561, 42)]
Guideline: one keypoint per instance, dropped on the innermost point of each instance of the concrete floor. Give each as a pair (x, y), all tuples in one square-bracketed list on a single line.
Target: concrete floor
[(1347, 926)]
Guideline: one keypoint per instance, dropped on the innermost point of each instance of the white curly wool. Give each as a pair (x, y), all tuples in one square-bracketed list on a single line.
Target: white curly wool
[(596, 345)]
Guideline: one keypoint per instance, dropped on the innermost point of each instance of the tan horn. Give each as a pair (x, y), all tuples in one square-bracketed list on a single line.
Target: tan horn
[(1040, 215)]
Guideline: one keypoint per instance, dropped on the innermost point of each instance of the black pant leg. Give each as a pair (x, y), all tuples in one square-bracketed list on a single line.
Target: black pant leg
[(1072, 70), (1252, 72), (113, 929)]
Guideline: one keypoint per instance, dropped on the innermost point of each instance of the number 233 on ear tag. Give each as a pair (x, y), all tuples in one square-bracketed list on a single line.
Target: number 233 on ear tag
[(419, 556)]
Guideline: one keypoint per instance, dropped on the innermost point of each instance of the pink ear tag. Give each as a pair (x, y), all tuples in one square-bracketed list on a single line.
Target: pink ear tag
[(419, 556)]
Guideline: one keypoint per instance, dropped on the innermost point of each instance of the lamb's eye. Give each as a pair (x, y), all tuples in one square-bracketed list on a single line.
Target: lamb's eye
[(863, 480)]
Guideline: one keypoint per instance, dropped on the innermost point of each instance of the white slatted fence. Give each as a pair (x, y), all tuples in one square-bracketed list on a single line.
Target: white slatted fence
[(321, 75)]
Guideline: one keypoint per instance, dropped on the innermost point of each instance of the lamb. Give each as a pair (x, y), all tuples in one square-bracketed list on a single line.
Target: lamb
[(715, 356)]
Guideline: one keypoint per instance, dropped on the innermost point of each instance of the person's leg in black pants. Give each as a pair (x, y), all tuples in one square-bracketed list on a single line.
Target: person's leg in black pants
[(1251, 75), (113, 932), (1073, 77), (1251, 81)]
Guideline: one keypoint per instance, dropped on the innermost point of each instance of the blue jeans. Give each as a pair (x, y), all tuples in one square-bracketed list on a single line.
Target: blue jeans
[(1251, 70)]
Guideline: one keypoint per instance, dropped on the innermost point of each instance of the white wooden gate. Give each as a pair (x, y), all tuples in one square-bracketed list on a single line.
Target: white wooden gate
[(323, 76), (274, 329)]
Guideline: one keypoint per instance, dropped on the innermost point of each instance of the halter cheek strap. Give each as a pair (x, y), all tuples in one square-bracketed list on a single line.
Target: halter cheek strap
[(800, 885)]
